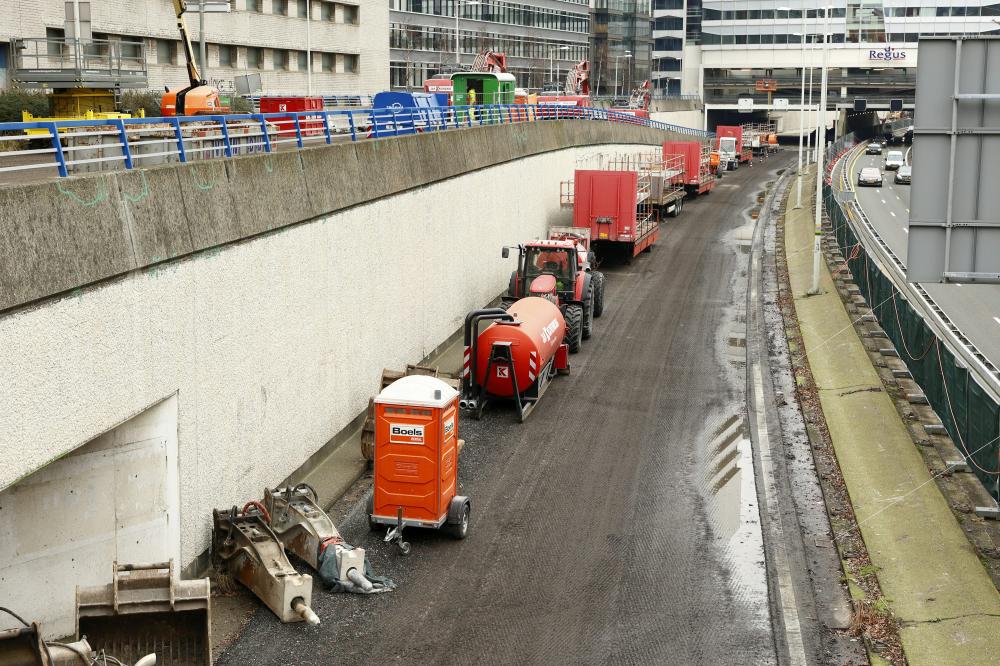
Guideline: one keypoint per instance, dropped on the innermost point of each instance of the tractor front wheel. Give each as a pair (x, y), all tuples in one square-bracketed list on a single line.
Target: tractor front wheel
[(597, 280), (574, 327)]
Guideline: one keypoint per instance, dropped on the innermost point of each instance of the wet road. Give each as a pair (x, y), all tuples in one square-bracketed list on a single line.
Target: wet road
[(619, 524)]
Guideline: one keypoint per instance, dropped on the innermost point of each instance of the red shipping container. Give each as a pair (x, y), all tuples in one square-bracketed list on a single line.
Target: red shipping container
[(311, 126)]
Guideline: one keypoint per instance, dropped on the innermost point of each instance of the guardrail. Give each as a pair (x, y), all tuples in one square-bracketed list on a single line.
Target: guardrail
[(82, 145), (916, 324)]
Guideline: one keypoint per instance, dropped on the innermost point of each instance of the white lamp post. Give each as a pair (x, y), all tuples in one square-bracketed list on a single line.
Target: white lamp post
[(551, 49), (802, 110), (458, 10), (820, 141), (628, 54)]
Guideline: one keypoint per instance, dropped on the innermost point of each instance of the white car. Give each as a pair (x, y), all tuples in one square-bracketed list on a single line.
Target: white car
[(871, 176), (894, 159)]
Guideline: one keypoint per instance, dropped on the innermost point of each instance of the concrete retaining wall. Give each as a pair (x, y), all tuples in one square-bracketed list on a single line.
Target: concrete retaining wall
[(271, 345), (57, 236)]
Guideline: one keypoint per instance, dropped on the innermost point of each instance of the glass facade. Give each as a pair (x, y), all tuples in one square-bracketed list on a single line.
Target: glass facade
[(622, 46)]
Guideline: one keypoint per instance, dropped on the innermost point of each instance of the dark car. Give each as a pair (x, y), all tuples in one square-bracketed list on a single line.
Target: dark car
[(903, 175), (874, 148)]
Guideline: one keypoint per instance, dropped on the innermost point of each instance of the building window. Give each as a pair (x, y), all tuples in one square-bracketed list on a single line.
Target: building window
[(279, 7), (227, 55), (326, 11), (255, 58), (166, 52), (303, 59), (255, 6), (56, 44), (328, 62), (303, 8), (352, 14), (280, 59)]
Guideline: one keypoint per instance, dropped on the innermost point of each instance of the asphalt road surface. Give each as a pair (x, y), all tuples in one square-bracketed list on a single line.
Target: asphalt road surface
[(974, 308), (603, 529)]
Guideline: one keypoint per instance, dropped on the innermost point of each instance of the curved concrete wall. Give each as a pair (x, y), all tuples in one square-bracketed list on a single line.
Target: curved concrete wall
[(57, 236), (272, 345)]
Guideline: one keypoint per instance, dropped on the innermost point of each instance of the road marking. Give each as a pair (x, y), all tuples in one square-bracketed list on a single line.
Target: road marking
[(905, 230), (891, 213), (883, 200), (996, 319), (897, 196), (907, 210)]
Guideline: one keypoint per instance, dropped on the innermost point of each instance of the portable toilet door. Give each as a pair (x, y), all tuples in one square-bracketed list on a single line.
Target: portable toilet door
[(416, 451)]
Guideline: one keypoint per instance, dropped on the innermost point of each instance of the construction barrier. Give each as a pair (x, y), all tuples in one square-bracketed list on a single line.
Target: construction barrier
[(967, 410), (124, 143)]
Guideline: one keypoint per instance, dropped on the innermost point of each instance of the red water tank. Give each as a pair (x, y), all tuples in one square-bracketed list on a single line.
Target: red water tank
[(534, 337)]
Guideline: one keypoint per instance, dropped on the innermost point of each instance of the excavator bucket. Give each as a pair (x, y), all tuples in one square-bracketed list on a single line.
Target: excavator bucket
[(388, 377), (145, 609)]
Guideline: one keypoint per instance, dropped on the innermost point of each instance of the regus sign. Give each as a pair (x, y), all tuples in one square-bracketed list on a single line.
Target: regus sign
[(887, 53)]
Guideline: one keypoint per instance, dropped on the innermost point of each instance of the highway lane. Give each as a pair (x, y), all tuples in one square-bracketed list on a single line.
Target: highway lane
[(619, 524), (975, 309)]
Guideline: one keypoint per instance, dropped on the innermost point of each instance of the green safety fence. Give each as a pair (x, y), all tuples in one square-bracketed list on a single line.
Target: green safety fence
[(967, 411)]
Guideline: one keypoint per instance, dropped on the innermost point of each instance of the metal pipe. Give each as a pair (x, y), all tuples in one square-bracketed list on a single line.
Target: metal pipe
[(472, 322), (358, 579), (309, 56), (306, 613), (201, 32), (802, 116)]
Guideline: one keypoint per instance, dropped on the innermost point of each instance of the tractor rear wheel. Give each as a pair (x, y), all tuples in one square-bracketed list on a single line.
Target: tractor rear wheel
[(512, 286), (597, 279), (574, 327), (588, 312)]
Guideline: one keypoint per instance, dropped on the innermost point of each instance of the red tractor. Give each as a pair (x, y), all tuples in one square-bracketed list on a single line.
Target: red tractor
[(560, 269)]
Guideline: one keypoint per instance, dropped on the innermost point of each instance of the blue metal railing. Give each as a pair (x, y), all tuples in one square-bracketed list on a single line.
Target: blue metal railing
[(78, 145)]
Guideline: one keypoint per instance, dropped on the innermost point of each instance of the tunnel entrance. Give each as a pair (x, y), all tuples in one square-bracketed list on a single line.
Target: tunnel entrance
[(114, 498)]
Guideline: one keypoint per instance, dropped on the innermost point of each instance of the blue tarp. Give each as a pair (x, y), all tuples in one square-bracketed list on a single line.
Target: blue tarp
[(395, 113)]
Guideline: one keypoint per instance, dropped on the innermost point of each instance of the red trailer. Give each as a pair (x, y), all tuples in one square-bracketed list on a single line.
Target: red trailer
[(729, 143), (698, 176), (615, 206), (310, 126)]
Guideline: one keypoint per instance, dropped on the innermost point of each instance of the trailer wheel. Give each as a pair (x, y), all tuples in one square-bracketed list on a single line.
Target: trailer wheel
[(678, 205), (597, 279), (574, 327), (459, 529), (588, 312)]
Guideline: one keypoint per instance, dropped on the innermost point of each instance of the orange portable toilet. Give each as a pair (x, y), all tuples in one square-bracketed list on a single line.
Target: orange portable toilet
[(416, 459)]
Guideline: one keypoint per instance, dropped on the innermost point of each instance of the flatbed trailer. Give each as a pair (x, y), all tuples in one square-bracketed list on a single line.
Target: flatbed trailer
[(617, 208), (699, 177)]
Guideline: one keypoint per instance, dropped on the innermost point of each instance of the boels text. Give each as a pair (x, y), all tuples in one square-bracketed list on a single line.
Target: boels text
[(400, 433)]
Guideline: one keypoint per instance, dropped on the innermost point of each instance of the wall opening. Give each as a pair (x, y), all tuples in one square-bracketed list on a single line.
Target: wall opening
[(114, 498)]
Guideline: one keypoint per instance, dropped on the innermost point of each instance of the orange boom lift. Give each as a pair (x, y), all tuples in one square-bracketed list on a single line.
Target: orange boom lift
[(197, 98)]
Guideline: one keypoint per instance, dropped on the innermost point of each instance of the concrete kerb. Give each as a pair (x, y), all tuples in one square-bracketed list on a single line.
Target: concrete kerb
[(947, 606)]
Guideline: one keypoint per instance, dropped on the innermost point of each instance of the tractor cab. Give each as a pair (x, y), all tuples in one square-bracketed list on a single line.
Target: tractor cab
[(560, 270)]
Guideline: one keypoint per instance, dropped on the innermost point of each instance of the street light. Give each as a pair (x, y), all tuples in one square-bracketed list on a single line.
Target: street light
[(628, 54), (820, 145), (458, 8), (802, 110), (551, 49)]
